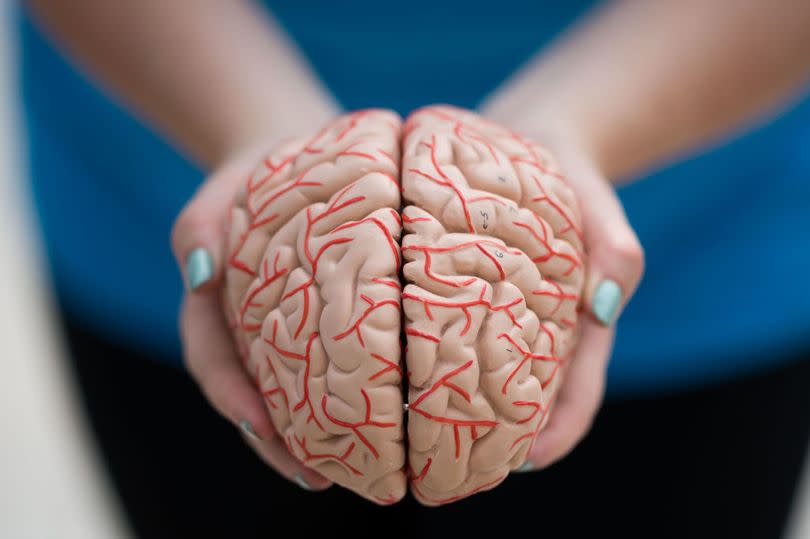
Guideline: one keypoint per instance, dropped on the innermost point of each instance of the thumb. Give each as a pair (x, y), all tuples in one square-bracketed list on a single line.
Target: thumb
[(198, 234), (615, 255)]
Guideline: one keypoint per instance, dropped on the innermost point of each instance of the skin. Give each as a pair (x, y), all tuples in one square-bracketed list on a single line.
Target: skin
[(634, 85), (173, 64)]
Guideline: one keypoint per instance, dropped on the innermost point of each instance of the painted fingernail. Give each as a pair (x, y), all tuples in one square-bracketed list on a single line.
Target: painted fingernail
[(301, 482), (525, 467), (247, 428), (606, 301), (199, 267)]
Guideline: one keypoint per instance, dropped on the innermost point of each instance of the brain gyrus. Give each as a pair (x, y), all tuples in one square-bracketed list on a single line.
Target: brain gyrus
[(446, 251)]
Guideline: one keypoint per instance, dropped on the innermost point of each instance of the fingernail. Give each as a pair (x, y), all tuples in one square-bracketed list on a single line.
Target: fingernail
[(199, 267), (301, 482), (525, 467), (606, 301), (247, 428)]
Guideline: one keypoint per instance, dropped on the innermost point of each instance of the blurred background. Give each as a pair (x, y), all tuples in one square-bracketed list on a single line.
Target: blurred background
[(51, 484), (50, 481)]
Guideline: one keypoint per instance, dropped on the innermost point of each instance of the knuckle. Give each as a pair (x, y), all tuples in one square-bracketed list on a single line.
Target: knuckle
[(627, 249), (189, 220)]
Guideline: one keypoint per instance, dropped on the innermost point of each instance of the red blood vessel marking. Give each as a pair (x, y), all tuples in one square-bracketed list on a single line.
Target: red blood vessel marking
[(526, 357), (356, 326), (249, 303), (457, 423), (306, 358), (390, 366), (308, 457), (355, 427), (465, 307), (479, 244)]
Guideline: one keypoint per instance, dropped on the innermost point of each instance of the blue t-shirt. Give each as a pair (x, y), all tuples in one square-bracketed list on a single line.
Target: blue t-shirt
[(727, 288)]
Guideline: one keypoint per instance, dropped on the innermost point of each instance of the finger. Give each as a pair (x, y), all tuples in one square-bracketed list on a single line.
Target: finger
[(212, 361), (615, 255), (198, 235), (616, 259), (275, 453), (579, 398)]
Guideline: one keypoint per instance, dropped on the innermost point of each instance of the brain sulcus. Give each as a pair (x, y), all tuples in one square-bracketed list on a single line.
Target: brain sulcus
[(431, 270)]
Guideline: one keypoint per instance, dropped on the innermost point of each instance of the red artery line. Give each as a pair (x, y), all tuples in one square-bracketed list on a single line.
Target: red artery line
[(456, 423), (544, 197), (356, 326), (328, 456), (307, 359), (465, 306), (526, 357), (428, 249), (355, 427), (445, 181), (416, 333), (234, 261), (268, 280), (354, 119), (474, 134), (350, 152), (387, 282), (299, 182), (534, 404), (390, 366), (407, 219), (274, 169), (532, 435), (278, 389), (334, 207), (550, 252), (560, 295), (424, 471), (379, 224), (389, 157)]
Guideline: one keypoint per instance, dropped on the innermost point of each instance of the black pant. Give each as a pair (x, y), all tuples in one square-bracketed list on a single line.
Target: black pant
[(717, 462)]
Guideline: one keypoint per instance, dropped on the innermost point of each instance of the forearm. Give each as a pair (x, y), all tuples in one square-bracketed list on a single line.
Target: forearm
[(641, 82), (210, 75)]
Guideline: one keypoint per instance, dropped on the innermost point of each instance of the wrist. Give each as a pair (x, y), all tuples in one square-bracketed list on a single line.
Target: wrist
[(552, 125), (259, 128)]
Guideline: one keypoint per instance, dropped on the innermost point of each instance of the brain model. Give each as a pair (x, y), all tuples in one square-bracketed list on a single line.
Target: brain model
[(449, 242)]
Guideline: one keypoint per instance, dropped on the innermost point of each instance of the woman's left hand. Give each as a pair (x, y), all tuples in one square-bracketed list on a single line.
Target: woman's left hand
[(615, 266)]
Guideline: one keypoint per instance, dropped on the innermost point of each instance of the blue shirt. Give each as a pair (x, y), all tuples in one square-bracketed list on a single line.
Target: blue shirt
[(727, 288)]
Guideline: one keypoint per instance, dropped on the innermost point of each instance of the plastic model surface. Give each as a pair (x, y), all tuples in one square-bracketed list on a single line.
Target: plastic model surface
[(466, 322)]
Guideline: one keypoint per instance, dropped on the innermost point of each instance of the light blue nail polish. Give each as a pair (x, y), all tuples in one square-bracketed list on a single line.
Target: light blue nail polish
[(199, 267), (301, 482), (525, 467), (606, 301), (247, 428)]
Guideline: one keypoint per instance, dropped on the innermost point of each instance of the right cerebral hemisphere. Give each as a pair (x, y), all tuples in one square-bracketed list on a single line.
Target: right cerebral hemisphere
[(449, 241)]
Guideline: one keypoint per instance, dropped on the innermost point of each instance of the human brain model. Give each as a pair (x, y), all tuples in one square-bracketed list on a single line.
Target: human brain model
[(446, 252)]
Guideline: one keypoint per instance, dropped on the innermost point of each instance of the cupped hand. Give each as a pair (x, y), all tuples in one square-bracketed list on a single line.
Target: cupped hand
[(198, 242), (615, 267)]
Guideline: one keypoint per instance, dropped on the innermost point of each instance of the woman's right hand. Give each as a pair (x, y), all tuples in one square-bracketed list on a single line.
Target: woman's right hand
[(198, 242)]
